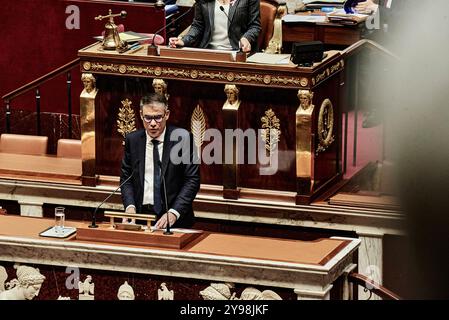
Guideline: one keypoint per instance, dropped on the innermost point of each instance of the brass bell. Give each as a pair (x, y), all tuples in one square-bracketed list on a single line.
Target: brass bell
[(111, 39)]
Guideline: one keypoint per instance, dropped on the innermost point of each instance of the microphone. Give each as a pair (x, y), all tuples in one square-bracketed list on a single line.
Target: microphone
[(94, 215), (222, 9), (167, 231), (152, 50), (229, 20)]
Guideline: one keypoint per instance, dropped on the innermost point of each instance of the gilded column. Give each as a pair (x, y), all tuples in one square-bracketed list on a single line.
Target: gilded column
[(230, 121), (87, 116), (304, 145)]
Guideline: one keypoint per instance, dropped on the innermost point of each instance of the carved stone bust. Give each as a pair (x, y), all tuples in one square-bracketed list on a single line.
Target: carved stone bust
[(25, 287), (125, 292)]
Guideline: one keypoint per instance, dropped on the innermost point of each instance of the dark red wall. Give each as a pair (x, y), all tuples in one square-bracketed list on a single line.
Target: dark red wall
[(35, 41)]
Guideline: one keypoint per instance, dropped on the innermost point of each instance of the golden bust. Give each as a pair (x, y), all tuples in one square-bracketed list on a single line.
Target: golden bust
[(160, 87), (232, 94), (88, 81), (305, 99)]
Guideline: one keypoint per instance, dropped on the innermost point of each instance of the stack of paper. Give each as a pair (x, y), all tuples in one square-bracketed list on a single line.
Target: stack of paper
[(318, 4), (340, 16), (269, 58), (291, 18)]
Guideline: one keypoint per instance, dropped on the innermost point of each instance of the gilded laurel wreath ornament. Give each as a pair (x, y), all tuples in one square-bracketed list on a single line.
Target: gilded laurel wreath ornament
[(198, 126), (325, 126), (271, 130), (126, 121)]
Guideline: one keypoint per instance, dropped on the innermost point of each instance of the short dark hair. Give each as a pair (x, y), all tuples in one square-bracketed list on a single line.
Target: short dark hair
[(153, 98)]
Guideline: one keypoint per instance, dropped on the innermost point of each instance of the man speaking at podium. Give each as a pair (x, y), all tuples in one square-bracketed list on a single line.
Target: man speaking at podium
[(148, 158), (223, 25)]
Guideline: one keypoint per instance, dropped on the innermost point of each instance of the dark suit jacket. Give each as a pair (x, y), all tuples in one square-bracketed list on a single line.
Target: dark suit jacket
[(244, 21), (182, 180)]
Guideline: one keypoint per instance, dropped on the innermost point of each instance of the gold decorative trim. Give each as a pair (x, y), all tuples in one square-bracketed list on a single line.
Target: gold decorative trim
[(198, 126), (328, 72), (126, 121), (325, 126), (181, 73), (270, 125)]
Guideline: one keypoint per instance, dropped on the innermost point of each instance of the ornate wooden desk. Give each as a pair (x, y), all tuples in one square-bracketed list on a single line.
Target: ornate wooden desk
[(308, 131), (331, 34), (308, 267)]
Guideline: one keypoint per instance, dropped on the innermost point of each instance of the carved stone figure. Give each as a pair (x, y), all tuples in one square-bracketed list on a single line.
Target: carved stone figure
[(305, 99), (89, 82), (232, 94), (222, 291), (86, 289), (254, 294), (63, 298), (164, 294), (25, 287), (3, 277), (218, 291), (160, 87), (125, 292)]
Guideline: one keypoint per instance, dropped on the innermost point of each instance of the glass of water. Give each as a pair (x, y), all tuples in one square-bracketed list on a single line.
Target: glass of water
[(59, 219)]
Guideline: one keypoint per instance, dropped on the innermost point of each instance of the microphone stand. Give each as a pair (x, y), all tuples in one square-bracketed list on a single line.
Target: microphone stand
[(152, 49), (94, 215), (240, 55), (167, 230)]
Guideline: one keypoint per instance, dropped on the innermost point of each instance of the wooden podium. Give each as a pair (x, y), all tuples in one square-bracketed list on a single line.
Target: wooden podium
[(105, 233), (308, 139)]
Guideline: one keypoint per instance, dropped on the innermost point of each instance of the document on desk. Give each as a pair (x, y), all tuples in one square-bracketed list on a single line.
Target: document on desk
[(290, 18), (181, 230), (269, 58)]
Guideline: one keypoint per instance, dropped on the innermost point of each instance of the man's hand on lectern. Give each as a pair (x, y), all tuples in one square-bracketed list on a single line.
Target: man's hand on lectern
[(175, 42), (162, 222), (245, 45)]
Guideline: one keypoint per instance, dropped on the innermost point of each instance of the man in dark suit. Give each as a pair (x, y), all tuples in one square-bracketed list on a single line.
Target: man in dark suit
[(223, 24), (144, 192)]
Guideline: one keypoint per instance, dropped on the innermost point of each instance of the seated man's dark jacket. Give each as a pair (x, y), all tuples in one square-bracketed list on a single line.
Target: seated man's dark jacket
[(182, 180)]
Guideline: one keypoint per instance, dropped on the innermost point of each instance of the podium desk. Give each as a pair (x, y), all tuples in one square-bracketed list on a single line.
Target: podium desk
[(308, 135), (308, 267)]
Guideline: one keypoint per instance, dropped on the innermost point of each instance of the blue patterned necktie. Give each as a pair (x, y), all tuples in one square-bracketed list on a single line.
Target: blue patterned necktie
[(157, 178)]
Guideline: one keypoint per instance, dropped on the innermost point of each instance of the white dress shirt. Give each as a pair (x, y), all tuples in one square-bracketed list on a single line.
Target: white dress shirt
[(148, 193), (220, 37)]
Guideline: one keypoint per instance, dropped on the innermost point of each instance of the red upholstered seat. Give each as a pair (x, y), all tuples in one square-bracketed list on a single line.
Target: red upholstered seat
[(268, 9), (23, 144), (69, 148)]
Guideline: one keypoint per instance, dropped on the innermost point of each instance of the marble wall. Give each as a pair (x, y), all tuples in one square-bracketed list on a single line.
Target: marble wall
[(59, 283)]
